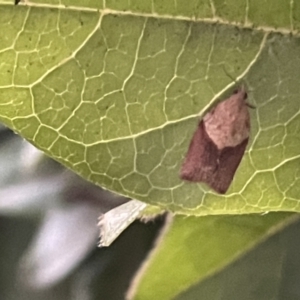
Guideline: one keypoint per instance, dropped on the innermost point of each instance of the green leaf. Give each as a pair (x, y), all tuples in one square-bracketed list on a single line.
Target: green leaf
[(197, 248), (114, 91)]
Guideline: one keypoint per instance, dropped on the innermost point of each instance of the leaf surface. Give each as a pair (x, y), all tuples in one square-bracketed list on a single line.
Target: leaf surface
[(114, 91)]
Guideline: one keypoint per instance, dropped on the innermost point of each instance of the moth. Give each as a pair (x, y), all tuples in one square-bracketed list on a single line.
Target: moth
[(219, 143)]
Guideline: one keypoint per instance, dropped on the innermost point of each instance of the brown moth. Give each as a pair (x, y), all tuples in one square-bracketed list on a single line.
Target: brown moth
[(219, 143)]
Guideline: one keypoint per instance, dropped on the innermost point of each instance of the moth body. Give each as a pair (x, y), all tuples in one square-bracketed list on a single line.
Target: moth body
[(219, 143)]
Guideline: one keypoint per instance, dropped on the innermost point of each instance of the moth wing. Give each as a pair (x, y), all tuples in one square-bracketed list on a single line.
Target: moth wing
[(201, 160), (204, 162), (229, 160)]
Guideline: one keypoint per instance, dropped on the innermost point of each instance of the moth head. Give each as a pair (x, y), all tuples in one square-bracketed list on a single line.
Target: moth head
[(242, 91), (244, 95)]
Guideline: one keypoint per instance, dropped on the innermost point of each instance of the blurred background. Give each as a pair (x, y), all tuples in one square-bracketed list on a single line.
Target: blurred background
[(49, 233)]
